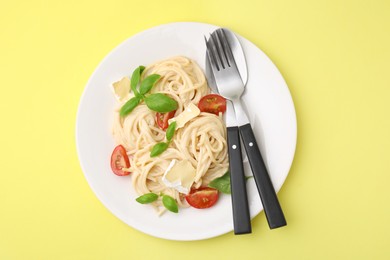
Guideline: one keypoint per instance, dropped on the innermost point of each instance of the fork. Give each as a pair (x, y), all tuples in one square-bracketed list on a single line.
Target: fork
[(240, 206), (231, 86)]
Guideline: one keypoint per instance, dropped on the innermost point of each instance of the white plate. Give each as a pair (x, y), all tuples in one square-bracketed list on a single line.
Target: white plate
[(268, 102)]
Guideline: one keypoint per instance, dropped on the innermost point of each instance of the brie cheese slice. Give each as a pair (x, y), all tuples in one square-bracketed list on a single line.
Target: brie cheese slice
[(121, 89), (189, 113), (180, 175)]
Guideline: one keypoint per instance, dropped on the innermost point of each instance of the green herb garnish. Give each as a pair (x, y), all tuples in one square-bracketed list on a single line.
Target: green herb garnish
[(160, 103), (129, 106), (159, 148), (135, 79), (170, 131), (147, 198), (148, 83), (223, 183), (248, 177), (170, 203), (157, 102)]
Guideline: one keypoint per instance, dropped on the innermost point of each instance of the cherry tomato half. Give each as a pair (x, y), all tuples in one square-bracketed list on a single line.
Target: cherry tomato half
[(162, 119), (119, 160), (212, 103), (202, 198)]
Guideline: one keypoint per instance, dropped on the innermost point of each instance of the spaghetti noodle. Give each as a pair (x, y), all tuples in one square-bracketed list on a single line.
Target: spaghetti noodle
[(202, 140)]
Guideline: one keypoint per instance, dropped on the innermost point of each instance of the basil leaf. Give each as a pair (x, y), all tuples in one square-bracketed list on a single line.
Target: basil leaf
[(135, 79), (147, 198), (158, 149), (222, 183), (148, 83), (129, 106), (160, 103), (170, 203), (171, 131)]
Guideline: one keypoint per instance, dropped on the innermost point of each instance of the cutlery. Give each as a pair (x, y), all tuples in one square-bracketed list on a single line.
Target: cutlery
[(241, 215), (231, 86)]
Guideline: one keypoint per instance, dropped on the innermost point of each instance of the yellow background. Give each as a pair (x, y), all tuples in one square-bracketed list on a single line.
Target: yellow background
[(335, 57)]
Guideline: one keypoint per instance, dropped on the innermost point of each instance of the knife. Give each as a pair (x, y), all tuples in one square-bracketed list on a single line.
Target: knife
[(271, 205)]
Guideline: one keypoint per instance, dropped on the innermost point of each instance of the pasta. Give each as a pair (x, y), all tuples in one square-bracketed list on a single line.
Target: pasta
[(201, 141)]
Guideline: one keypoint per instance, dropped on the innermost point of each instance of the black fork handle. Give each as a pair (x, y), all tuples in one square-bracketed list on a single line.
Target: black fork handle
[(241, 216), (272, 208)]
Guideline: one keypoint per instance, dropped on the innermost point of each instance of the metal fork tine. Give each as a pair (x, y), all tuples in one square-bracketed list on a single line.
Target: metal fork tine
[(228, 50), (211, 55), (215, 50), (221, 49), (222, 40)]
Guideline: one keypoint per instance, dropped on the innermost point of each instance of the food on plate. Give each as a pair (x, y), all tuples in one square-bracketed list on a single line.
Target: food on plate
[(202, 198), (162, 119), (173, 134), (213, 103), (120, 161)]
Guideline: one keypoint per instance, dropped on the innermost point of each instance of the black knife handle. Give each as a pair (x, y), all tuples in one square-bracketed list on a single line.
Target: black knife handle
[(272, 209), (241, 217)]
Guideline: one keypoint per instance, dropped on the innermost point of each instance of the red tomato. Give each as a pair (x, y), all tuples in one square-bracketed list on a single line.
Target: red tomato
[(119, 160), (162, 119), (202, 198), (212, 103)]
